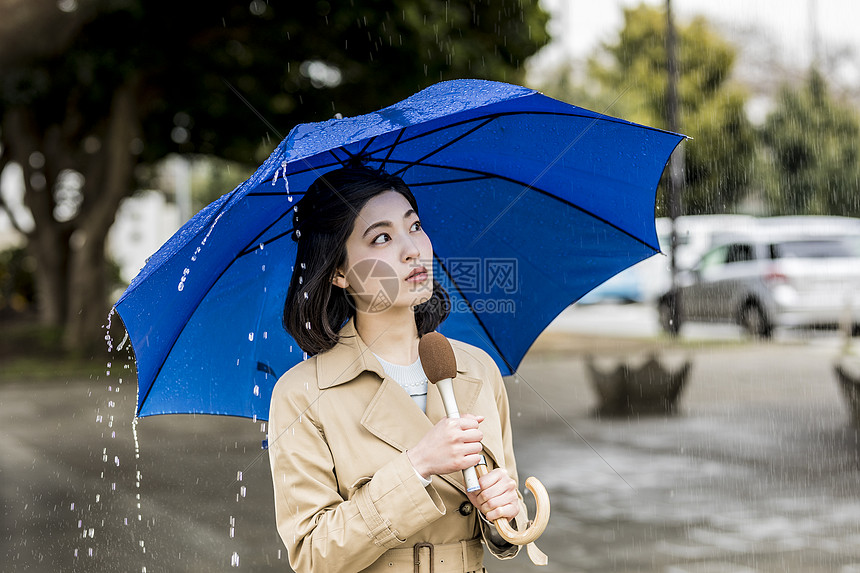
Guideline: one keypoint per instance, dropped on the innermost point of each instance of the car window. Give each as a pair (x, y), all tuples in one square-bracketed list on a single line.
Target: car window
[(739, 253), (714, 258), (812, 249)]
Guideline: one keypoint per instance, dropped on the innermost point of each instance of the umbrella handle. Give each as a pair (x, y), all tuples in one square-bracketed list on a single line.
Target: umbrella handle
[(537, 526)]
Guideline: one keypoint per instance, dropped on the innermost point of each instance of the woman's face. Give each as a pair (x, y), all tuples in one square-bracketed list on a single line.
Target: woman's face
[(389, 257)]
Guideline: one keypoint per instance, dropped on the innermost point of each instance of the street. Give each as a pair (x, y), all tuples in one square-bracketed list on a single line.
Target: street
[(757, 472)]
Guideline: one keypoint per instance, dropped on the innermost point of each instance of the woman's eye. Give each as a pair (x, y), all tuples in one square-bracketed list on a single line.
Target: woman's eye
[(381, 238), (416, 226)]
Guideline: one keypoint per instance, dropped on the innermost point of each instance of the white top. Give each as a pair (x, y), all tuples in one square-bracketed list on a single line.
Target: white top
[(411, 378)]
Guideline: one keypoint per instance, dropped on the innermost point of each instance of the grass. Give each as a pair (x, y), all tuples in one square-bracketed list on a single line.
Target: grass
[(31, 352)]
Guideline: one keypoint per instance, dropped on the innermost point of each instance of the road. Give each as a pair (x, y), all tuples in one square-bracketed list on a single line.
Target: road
[(757, 472)]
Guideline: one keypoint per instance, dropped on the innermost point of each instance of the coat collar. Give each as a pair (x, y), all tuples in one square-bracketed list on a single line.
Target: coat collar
[(391, 415), (351, 356)]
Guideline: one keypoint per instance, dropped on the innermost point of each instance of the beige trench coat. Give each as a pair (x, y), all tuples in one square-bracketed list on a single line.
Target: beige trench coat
[(346, 496)]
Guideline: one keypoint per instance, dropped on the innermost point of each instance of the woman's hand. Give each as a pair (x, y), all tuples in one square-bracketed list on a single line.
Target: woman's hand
[(497, 497), (452, 445)]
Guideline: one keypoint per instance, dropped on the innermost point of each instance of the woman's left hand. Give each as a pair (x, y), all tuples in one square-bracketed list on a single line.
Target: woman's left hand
[(497, 497)]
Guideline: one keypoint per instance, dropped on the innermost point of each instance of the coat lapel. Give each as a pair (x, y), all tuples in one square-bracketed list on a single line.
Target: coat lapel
[(391, 415)]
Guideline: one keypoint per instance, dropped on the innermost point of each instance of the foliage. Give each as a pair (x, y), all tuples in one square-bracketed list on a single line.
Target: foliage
[(628, 78), (812, 154), (126, 82)]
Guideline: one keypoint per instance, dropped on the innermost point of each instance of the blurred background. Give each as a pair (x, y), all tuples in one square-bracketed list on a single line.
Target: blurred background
[(119, 119)]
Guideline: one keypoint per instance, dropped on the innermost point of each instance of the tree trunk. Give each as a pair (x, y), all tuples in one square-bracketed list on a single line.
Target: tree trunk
[(104, 189), (48, 241)]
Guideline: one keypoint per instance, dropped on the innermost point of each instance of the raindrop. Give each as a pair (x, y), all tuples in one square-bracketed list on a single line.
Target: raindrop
[(258, 7), (251, 337), (37, 160), (301, 280), (298, 234), (308, 325), (306, 295), (302, 265), (256, 390), (234, 561)]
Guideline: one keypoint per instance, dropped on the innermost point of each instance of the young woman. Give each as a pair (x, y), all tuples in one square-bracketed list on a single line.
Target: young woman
[(367, 470)]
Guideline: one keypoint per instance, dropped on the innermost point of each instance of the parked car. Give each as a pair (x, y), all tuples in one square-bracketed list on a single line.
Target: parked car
[(767, 278), (647, 280)]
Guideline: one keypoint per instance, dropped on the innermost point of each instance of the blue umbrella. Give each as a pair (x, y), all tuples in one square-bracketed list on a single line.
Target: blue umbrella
[(530, 203)]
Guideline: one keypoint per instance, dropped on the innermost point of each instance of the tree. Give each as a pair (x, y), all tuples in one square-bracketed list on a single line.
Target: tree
[(812, 153), (627, 78), (109, 85)]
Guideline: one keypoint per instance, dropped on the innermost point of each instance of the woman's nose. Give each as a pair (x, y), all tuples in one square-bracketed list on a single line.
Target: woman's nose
[(411, 250)]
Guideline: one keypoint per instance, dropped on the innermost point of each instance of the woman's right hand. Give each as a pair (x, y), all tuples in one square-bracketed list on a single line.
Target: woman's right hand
[(453, 444)]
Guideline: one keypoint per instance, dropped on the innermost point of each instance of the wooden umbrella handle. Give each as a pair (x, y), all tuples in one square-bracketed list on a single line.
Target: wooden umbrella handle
[(537, 526)]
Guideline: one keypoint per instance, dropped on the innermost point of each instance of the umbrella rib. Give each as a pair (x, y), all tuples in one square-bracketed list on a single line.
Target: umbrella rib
[(449, 181), (474, 314), (391, 148), (248, 246), (541, 191), (419, 161)]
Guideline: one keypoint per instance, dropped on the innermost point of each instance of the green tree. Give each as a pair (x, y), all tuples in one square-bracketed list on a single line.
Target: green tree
[(812, 152), (108, 85), (627, 78)]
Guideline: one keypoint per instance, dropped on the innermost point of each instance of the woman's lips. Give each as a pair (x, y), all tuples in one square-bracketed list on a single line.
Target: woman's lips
[(417, 276)]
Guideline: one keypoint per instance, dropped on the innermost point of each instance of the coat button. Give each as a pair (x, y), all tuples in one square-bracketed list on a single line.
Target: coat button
[(466, 508)]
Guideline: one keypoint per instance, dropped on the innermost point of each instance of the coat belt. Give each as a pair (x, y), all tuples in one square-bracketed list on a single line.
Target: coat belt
[(462, 557)]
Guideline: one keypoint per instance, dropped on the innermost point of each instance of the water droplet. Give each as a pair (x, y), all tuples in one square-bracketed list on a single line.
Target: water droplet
[(298, 234), (256, 390), (251, 337), (308, 325), (303, 266), (234, 561), (306, 295), (301, 280)]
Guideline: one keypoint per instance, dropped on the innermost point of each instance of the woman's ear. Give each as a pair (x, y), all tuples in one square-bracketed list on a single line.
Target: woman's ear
[(339, 280)]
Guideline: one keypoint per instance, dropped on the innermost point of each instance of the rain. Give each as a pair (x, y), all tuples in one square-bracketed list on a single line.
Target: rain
[(677, 427)]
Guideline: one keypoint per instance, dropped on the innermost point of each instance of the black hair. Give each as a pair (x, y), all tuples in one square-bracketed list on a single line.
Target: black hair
[(323, 219)]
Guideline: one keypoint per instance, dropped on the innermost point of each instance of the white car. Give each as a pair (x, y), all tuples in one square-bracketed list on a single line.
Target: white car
[(768, 278)]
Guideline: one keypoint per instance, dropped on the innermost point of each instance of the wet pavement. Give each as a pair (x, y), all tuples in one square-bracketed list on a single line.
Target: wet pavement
[(757, 472)]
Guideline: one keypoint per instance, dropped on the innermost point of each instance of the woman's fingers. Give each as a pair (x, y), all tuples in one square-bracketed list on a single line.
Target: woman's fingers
[(453, 444), (498, 496)]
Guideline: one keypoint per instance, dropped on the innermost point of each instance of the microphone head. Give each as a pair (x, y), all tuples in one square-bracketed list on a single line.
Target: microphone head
[(437, 357)]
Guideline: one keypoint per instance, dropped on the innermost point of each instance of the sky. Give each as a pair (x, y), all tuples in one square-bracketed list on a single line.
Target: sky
[(578, 26)]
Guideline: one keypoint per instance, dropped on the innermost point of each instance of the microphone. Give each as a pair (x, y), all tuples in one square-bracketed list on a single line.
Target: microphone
[(440, 366)]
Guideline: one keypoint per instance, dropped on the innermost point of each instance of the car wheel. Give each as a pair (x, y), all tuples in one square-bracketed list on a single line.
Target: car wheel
[(667, 321), (754, 321)]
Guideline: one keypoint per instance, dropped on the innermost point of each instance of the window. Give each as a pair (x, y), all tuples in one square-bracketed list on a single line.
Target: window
[(812, 249), (739, 253)]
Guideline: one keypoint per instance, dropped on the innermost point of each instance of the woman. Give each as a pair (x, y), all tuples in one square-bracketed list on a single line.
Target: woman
[(367, 470)]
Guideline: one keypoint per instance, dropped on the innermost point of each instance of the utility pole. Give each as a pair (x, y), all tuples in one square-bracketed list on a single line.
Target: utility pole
[(676, 163)]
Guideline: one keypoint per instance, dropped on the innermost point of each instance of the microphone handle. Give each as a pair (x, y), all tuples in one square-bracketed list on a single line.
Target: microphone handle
[(446, 389)]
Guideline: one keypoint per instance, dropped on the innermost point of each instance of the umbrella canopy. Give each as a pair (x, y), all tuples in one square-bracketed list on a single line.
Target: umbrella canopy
[(530, 203)]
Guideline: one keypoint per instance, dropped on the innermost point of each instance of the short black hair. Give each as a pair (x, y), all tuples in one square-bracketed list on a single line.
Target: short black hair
[(323, 219)]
